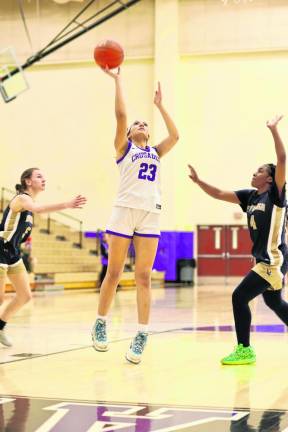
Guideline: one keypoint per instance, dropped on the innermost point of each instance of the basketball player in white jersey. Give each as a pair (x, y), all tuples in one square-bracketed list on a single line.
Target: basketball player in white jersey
[(135, 216)]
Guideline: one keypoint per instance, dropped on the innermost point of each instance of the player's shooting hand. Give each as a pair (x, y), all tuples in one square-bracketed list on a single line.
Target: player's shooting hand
[(158, 96), (114, 75)]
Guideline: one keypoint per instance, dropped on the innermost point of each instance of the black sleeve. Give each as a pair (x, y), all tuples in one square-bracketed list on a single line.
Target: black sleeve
[(243, 196), (279, 200)]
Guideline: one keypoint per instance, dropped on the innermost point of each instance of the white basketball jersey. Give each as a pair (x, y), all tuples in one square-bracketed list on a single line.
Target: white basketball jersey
[(139, 179)]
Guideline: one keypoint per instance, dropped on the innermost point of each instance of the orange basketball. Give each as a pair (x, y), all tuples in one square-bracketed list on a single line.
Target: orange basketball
[(109, 53)]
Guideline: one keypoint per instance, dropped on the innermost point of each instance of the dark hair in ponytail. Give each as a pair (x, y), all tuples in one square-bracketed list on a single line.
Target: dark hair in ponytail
[(27, 174), (271, 168)]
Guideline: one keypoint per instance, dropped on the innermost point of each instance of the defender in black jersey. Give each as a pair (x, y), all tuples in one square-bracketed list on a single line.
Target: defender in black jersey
[(15, 228), (266, 215)]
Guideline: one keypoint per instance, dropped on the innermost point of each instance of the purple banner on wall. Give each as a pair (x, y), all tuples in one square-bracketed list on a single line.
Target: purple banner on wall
[(173, 246)]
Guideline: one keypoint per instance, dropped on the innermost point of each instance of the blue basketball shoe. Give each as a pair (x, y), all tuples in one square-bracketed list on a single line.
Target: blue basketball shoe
[(136, 349), (99, 336)]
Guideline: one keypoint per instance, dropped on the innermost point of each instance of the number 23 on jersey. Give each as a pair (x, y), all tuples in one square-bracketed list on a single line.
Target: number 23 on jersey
[(147, 172)]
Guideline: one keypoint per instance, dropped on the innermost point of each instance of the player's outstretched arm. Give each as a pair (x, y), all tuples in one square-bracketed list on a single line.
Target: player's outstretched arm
[(280, 172), (212, 190), (25, 202), (166, 145), (120, 141)]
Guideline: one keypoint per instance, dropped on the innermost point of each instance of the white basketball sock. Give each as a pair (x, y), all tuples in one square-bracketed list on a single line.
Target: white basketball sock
[(143, 328)]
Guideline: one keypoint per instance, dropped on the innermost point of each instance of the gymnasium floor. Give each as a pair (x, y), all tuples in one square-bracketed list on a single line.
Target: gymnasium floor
[(52, 380)]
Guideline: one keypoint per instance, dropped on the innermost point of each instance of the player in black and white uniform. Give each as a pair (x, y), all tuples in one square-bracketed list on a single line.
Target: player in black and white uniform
[(135, 215), (15, 228), (266, 215)]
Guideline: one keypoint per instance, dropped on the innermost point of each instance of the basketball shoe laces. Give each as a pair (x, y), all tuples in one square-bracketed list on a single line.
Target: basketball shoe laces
[(241, 351), (139, 343), (101, 330)]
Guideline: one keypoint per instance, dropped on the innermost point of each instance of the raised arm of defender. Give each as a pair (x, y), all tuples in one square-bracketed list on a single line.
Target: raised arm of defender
[(212, 190), (280, 171), (25, 202)]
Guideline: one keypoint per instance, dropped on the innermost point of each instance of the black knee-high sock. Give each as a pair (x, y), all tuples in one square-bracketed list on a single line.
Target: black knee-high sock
[(250, 287), (2, 324)]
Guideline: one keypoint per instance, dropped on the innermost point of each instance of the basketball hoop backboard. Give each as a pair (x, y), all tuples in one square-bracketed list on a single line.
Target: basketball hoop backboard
[(12, 78)]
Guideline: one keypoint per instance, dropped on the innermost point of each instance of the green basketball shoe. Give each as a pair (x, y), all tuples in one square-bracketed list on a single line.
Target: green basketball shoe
[(240, 356)]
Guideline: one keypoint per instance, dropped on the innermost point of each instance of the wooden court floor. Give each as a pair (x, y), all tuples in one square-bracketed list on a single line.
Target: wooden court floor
[(52, 380)]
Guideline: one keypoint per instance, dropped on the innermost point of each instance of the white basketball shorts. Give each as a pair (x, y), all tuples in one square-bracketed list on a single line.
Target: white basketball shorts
[(127, 222)]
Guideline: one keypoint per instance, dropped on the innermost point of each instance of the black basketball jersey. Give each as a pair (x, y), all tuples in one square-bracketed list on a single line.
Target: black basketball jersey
[(266, 216), (16, 227)]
